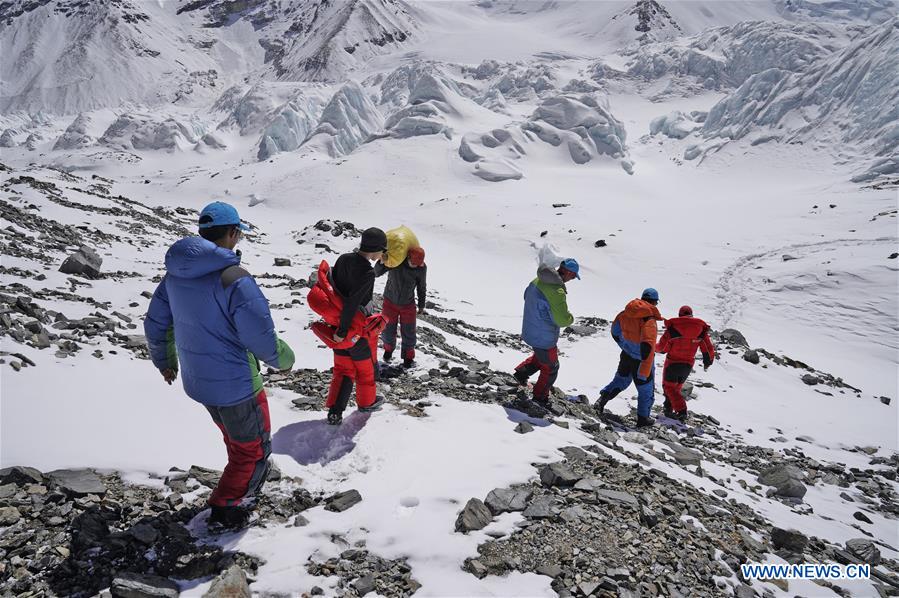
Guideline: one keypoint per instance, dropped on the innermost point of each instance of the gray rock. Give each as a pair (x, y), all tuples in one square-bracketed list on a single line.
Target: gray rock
[(549, 570), (648, 517), (282, 261), (786, 479), (810, 379), (85, 261), (683, 455), (20, 476), (508, 500), (77, 482), (474, 516), (558, 474), (589, 484), (541, 508), (752, 356), (744, 591), (616, 497), (342, 501), (477, 568), (300, 521), (524, 428), (789, 539), (865, 550), (208, 477), (859, 516), (734, 337), (232, 583), (582, 330), (8, 516), (588, 587), (135, 585), (364, 585)]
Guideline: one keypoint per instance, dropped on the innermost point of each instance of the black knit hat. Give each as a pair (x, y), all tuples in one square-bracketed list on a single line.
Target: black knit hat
[(373, 239)]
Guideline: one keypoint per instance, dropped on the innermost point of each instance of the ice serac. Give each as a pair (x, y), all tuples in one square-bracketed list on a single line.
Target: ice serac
[(348, 120), (847, 102), (727, 56), (289, 129), (432, 99), (76, 136), (583, 119), (137, 131)]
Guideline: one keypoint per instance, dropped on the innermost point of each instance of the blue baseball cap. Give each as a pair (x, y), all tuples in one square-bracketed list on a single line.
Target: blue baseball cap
[(571, 265), (219, 213), (650, 294)]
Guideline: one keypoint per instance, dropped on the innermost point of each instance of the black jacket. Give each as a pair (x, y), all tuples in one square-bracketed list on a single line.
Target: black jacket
[(354, 279), (403, 282)]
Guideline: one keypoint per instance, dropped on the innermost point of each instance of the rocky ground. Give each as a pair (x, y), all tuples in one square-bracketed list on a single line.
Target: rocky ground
[(603, 522)]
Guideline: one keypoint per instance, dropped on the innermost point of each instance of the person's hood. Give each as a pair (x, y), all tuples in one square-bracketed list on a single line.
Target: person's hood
[(193, 257), (637, 308), (549, 276)]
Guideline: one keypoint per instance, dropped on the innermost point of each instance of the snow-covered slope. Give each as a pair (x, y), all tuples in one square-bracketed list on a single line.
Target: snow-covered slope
[(490, 128)]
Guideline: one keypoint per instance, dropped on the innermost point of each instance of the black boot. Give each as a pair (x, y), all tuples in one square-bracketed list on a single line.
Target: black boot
[(600, 405), (645, 422), (335, 416), (408, 363), (223, 519), (376, 406), (388, 355), (680, 416), (521, 377), (667, 410)]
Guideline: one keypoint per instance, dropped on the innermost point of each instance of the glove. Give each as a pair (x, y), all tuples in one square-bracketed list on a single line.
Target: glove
[(706, 362)]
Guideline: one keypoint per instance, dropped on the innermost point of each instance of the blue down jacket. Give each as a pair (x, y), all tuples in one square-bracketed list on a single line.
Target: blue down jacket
[(209, 315)]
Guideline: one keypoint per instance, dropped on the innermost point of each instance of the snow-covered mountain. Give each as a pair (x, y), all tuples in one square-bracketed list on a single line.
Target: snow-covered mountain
[(740, 157)]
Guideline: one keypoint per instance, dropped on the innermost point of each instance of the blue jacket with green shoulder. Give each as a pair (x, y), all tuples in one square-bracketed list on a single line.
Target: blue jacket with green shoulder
[(545, 310), (209, 316)]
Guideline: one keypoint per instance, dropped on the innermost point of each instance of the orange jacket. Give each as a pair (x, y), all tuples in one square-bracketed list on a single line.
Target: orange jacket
[(635, 331)]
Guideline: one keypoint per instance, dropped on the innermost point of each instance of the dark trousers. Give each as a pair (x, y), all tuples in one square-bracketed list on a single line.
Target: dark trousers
[(545, 361), (246, 428), (353, 365), (403, 316), (673, 378)]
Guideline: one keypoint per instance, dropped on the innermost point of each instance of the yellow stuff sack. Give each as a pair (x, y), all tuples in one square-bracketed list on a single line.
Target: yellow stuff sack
[(399, 241)]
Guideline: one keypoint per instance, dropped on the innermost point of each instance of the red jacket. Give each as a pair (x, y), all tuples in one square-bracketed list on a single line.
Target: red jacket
[(324, 300), (682, 337)]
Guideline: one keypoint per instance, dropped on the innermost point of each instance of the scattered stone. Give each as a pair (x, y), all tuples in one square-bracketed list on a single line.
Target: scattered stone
[(508, 500), (541, 508), (84, 262), (20, 476), (558, 474), (549, 570), (865, 550), (524, 427), (364, 585), (474, 516), (810, 379), (282, 261), (684, 456), (77, 482), (786, 479), (752, 356), (135, 585), (8, 516), (232, 583), (858, 515), (792, 540), (600, 243), (208, 477), (616, 497), (648, 517), (734, 337), (342, 501), (787, 257)]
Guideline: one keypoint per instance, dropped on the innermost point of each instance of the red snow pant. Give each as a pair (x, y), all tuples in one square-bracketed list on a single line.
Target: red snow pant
[(404, 316), (246, 429), (673, 378), (546, 361), (356, 364)]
